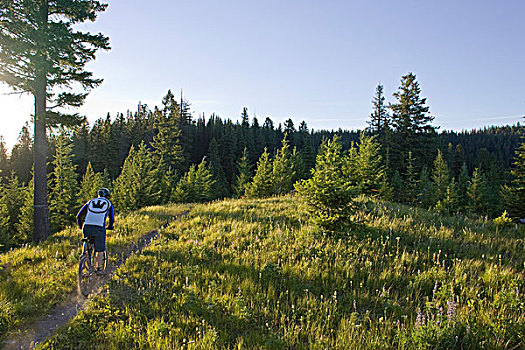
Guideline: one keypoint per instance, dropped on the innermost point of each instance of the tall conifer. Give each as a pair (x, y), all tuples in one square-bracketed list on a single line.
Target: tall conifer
[(262, 182), (43, 53), (63, 184)]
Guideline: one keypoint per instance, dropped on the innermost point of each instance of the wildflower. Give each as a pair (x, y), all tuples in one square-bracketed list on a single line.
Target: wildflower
[(451, 311), (420, 319)]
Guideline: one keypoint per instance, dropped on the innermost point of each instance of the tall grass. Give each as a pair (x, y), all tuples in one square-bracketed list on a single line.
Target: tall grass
[(35, 278), (253, 274)]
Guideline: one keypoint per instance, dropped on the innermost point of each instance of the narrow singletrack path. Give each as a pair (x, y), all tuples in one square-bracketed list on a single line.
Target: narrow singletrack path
[(42, 328)]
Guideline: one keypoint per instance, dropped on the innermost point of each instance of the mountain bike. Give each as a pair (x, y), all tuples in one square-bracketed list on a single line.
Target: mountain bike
[(86, 268)]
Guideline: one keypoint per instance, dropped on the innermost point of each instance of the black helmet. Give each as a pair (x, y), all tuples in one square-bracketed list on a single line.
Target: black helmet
[(104, 192)]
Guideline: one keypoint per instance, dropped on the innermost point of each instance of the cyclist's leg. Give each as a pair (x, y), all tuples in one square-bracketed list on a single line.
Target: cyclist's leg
[(100, 247), (88, 231)]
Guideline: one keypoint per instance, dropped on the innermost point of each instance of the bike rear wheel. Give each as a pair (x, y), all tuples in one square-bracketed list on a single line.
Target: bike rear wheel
[(106, 261)]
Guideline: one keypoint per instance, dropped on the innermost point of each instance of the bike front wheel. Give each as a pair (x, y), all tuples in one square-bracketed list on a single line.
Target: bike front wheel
[(85, 275)]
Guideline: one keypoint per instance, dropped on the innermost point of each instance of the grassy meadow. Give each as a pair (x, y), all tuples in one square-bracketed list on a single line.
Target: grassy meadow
[(35, 278), (254, 274)]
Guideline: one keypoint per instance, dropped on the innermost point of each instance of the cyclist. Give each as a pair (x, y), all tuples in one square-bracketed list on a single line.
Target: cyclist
[(94, 214)]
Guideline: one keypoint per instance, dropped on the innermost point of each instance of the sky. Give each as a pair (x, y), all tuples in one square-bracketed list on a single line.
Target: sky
[(312, 60)]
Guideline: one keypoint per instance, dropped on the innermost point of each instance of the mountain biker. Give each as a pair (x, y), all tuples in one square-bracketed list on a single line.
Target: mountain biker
[(94, 214)]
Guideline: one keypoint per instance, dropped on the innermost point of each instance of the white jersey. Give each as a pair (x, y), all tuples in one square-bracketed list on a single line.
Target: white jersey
[(97, 211)]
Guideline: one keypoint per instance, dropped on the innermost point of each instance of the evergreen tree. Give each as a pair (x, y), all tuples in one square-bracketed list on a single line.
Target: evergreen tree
[(370, 171), (449, 203), (167, 135), (305, 153), (5, 233), (245, 118), (63, 185), (459, 160), (477, 193), (440, 178), (262, 182), (42, 52), (424, 188), (221, 187), (329, 193), (379, 117), (514, 194), (81, 147), (187, 129), (462, 189), (91, 183), (3, 159), (411, 181), (283, 172), (411, 123), (244, 174), (397, 186), (13, 200), (21, 160), (24, 227), (196, 185), (138, 183)]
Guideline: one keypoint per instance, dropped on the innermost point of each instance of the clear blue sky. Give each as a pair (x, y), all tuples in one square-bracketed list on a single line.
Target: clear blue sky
[(318, 61)]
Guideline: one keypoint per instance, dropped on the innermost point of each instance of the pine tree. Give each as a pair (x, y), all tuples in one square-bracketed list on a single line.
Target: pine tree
[(411, 182), (3, 159), (305, 152), (424, 189), (283, 172), (221, 187), (13, 199), (262, 182), (24, 227), (449, 203), (196, 185), (244, 174), (167, 135), (477, 193), (411, 123), (370, 170), (21, 160), (91, 183), (63, 184), (5, 233), (379, 117), (462, 189), (41, 53), (81, 147), (514, 195), (397, 186), (459, 160), (245, 118), (440, 178), (138, 183), (329, 193)]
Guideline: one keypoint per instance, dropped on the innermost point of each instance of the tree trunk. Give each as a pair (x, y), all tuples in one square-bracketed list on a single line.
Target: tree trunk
[(41, 213)]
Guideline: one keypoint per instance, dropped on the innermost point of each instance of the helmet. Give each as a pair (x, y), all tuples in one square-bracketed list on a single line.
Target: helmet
[(104, 192)]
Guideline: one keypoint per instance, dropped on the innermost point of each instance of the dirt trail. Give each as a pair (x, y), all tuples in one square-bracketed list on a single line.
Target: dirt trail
[(42, 328)]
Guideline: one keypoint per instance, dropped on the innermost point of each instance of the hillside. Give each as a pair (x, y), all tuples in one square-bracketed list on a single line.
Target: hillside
[(35, 279), (254, 274)]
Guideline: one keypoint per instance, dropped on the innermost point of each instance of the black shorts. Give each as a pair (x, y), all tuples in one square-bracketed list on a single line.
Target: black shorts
[(100, 236)]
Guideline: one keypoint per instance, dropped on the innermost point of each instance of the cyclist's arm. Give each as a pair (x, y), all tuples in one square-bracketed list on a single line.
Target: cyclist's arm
[(82, 214), (111, 215)]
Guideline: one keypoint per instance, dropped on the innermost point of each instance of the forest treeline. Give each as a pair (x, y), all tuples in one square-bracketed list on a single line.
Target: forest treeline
[(165, 154)]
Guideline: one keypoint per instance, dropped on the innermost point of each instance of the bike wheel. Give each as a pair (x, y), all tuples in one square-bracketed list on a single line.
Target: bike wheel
[(106, 261), (85, 275)]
